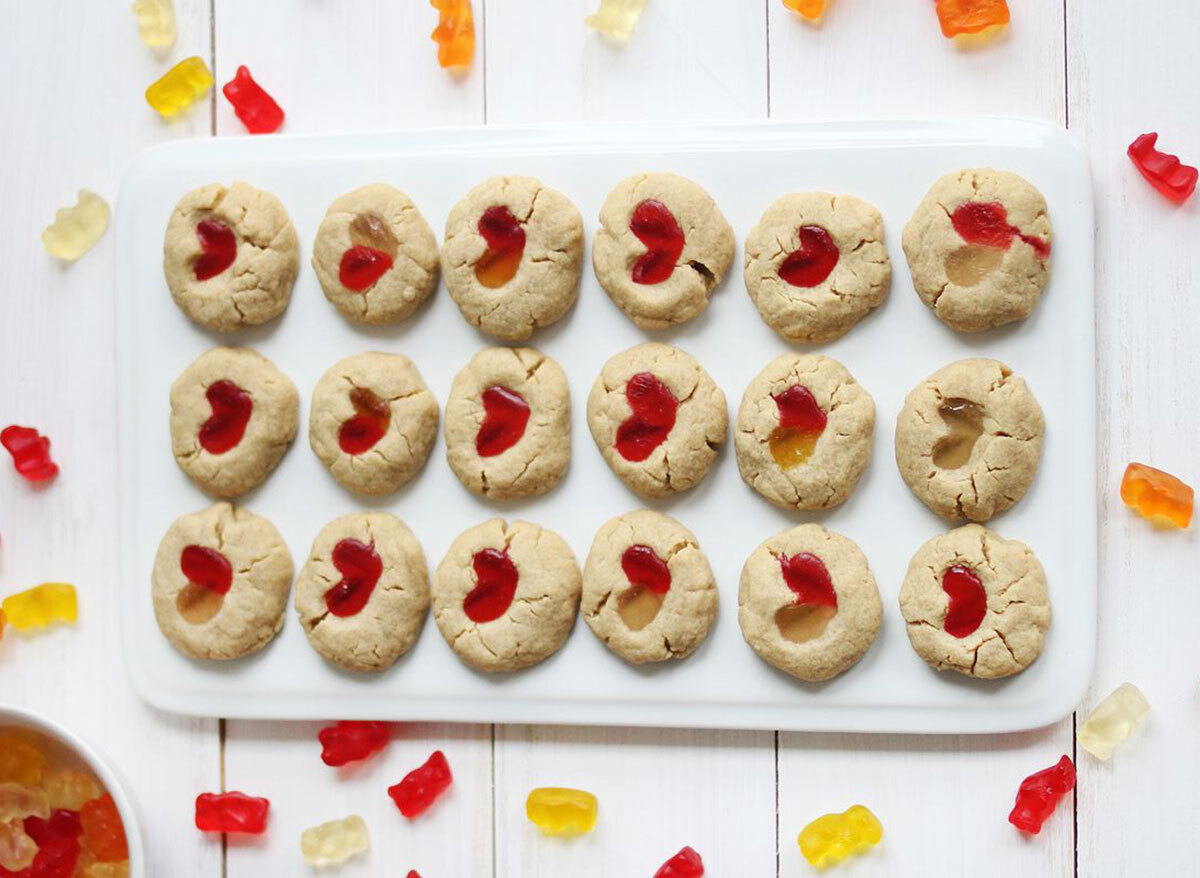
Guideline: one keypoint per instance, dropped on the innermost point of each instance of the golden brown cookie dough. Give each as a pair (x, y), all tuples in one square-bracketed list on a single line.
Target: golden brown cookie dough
[(648, 592), (373, 422), (779, 452), (508, 423), (545, 280), (256, 287), (621, 258), (969, 439), (974, 281), (816, 264), (242, 572), (364, 591), (825, 618), (664, 454), (209, 401), (505, 595), (1001, 610), (384, 221)]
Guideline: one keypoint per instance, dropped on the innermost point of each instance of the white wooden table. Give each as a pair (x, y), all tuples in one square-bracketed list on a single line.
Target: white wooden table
[(73, 77)]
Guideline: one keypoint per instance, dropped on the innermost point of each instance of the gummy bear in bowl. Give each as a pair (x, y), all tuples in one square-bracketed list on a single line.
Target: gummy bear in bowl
[(62, 809)]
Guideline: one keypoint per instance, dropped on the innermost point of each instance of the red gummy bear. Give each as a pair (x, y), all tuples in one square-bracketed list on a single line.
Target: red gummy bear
[(207, 567), (685, 864), (1175, 180), (505, 241), (257, 109), (218, 248), (813, 260), (807, 576), (56, 858), (495, 584), (505, 415), (352, 740), (421, 786), (654, 409), (369, 424), (231, 812), (968, 601), (61, 823), (1039, 794), (30, 453), (644, 569), (231, 410), (986, 223), (361, 567), (655, 226), (361, 266)]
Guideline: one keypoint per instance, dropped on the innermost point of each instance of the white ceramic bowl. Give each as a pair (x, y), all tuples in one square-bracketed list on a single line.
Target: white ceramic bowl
[(19, 718)]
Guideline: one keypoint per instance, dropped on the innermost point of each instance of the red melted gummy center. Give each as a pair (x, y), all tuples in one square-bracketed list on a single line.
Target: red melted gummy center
[(361, 266), (968, 601), (798, 410), (505, 241), (206, 567), (231, 408), (654, 408), (370, 422), (361, 567), (986, 223), (806, 575), (812, 261), (505, 415), (644, 569), (656, 227), (218, 248), (495, 585)]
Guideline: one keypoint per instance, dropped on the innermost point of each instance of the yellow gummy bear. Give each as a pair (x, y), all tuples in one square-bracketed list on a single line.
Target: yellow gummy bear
[(810, 9), (1113, 720), (69, 789), (156, 22), (41, 605), (616, 18), (76, 229), (179, 86), (20, 762), (18, 801), (832, 837), (561, 811), (334, 842)]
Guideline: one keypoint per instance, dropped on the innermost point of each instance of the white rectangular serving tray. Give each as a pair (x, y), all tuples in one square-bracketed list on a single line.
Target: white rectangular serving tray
[(724, 684)]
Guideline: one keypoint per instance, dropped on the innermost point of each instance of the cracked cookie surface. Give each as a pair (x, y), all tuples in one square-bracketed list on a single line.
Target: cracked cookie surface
[(683, 615), (250, 613), (856, 283), (257, 285), (708, 245), (386, 627), (763, 594), (546, 280), (384, 218), (412, 417), (684, 456), (1013, 629), (995, 461), (839, 454), (268, 432), (537, 459), (536, 622), (969, 286)]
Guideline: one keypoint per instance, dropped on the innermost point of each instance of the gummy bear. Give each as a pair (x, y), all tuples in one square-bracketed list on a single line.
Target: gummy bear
[(156, 22), (179, 86), (56, 859), (60, 824), (30, 453), (455, 32), (801, 423), (816, 601), (813, 261), (654, 410), (505, 239), (616, 18), (964, 426), (103, 829), (218, 249), (41, 606), (209, 577), (420, 788), (1173, 179), (1113, 720), (655, 226), (412, 873), (257, 109), (685, 864), (832, 838), (231, 812), (1157, 495), (649, 581), (986, 223), (505, 416), (18, 801), (495, 585), (361, 567), (334, 842), (231, 410), (967, 601), (970, 16), (1039, 793), (20, 762), (561, 811), (810, 9), (69, 789), (17, 847), (351, 740), (76, 229), (370, 422)]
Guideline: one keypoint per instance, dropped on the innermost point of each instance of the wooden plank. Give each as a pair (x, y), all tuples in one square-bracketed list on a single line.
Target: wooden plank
[(74, 101), (1130, 73)]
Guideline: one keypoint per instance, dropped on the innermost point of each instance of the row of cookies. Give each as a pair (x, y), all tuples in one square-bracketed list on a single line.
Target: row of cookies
[(978, 248), (506, 595), (968, 439)]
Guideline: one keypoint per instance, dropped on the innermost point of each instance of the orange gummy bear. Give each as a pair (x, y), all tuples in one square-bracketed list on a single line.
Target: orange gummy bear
[(810, 9), (455, 33), (1157, 495), (970, 16)]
